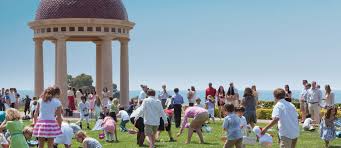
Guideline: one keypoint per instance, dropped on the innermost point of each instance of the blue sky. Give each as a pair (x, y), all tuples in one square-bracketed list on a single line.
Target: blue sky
[(182, 43)]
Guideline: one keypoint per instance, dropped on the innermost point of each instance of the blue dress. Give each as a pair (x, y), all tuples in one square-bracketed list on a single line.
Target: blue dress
[(327, 133)]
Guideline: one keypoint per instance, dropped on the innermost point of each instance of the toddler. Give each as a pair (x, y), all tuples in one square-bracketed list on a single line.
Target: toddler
[(109, 127)]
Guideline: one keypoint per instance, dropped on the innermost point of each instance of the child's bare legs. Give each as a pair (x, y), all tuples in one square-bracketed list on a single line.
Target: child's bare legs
[(50, 142), (326, 143), (157, 137), (41, 142)]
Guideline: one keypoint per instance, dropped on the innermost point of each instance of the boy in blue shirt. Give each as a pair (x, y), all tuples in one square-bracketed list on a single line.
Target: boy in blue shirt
[(232, 127)]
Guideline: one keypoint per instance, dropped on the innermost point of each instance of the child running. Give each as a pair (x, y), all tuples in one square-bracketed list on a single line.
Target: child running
[(327, 126), (15, 126), (124, 119), (109, 127), (84, 107), (232, 127), (87, 142), (48, 117)]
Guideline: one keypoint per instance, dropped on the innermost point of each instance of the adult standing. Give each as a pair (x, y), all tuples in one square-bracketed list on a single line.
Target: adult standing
[(105, 99), (220, 100), (288, 93), (255, 92), (177, 101), (200, 116), (143, 93), (12, 97), (71, 99), (250, 103), (284, 113), (210, 91), (151, 111), (303, 100), (191, 96), (315, 96), (329, 97), (232, 95), (163, 96)]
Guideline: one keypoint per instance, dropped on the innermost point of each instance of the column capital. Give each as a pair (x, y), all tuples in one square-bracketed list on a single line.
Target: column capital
[(38, 40), (106, 38), (61, 37), (97, 42), (124, 40)]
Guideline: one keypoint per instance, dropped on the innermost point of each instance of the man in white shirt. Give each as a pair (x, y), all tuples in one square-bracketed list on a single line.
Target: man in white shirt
[(314, 99), (151, 111), (284, 113), (143, 94), (163, 96)]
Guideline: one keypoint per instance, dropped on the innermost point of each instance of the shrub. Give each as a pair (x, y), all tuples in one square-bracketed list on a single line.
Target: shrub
[(265, 114)]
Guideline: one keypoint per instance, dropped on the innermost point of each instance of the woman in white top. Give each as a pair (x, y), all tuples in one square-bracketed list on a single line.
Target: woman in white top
[(329, 97), (79, 94), (71, 99)]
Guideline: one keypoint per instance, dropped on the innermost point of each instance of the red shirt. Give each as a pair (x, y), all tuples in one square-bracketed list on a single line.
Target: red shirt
[(210, 91)]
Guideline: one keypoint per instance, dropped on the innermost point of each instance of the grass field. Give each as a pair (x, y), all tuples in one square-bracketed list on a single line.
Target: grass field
[(306, 139)]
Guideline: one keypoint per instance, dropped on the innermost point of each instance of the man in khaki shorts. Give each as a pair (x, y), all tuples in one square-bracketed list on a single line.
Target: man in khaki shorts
[(151, 111), (284, 113)]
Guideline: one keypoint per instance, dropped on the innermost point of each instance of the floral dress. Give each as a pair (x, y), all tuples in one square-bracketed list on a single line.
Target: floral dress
[(327, 130)]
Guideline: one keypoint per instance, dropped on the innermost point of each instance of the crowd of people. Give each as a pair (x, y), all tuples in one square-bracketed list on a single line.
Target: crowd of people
[(153, 112)]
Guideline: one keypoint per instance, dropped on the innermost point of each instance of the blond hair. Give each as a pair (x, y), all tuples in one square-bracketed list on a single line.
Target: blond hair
[(12, 114), (115, 101), (28, 130), (81, 134), (279, 93)]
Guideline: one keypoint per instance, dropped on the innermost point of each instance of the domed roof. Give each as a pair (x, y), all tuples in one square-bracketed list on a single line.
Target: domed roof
[(103, 9)]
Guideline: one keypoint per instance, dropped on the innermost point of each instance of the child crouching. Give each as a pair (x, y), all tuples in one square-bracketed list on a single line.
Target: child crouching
[(109, 127), (87, 142)]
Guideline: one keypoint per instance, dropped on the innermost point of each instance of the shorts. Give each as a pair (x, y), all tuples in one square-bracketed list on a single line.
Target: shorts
[(199, 120), (150, 129), (162, 125)]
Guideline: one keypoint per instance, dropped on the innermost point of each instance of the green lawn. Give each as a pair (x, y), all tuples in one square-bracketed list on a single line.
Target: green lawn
[(306, 139)]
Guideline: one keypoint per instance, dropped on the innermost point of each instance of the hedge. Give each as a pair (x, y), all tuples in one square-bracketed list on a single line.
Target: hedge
[(266, 114)]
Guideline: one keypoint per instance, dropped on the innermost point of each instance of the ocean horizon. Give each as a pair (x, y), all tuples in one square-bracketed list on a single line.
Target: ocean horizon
[(264, 95)]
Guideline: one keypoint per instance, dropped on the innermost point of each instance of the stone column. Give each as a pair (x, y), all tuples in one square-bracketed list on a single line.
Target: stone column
[(124, 73), (61, 70), (38, 67), (107, 63), (99, 71)]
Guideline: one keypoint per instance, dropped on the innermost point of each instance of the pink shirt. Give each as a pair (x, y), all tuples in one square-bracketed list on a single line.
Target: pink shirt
[(191, 112), (109, 124)]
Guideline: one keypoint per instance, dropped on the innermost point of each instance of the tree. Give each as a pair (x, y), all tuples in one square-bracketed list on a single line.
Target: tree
[(80, 81)]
